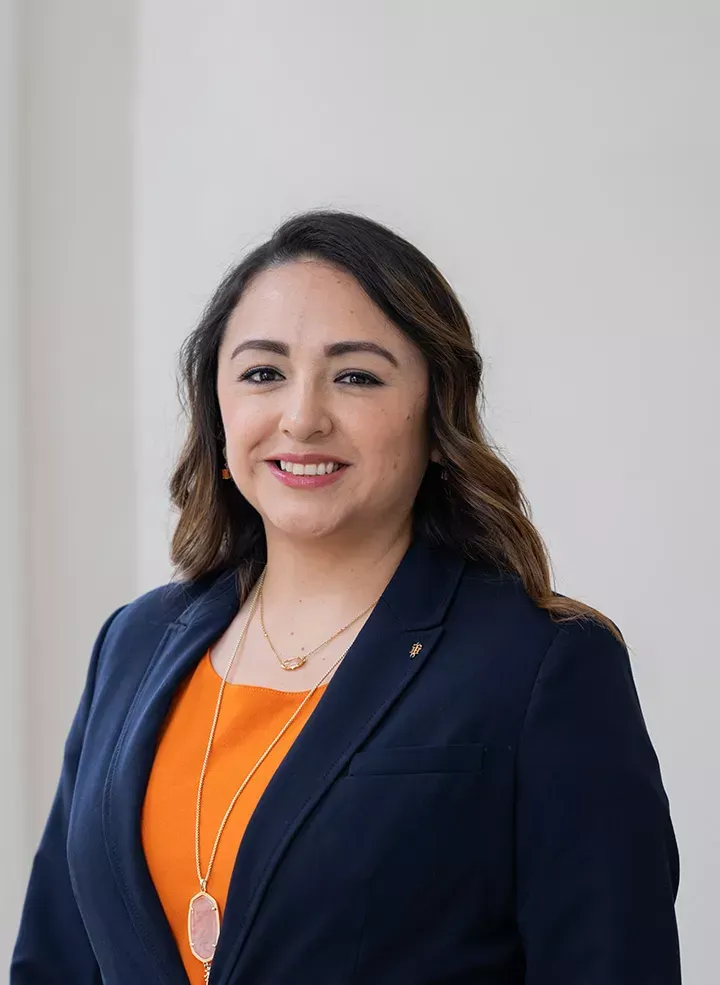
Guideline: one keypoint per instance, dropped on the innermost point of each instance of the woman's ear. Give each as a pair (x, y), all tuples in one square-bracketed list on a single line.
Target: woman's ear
[(435, 456)]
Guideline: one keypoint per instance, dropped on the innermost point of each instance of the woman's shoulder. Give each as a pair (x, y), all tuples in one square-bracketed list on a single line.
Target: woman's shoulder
[(499, 600), (145, 619), (489, 592)]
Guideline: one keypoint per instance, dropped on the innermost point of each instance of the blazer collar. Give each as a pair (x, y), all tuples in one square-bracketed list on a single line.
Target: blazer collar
[(377, 668)]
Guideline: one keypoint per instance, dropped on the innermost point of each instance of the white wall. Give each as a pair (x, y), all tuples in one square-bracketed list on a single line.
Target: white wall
[(559, 163), (77, 294), (13, 755)]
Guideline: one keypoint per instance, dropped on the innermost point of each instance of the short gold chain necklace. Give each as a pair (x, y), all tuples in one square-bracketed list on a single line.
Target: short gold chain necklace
[(294, 663), (203, 910)]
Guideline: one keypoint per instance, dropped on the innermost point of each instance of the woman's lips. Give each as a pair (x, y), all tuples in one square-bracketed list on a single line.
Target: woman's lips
[(305, 481)]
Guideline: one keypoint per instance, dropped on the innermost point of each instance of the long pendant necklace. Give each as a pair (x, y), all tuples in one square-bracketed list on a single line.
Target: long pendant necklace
[(203, 909)]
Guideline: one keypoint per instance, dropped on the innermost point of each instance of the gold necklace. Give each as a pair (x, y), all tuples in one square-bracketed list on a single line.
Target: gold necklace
[(294, 663), (203, 910)]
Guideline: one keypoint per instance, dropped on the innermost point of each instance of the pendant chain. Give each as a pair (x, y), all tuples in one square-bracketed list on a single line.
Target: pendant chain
[(294, 663), (203, 880)]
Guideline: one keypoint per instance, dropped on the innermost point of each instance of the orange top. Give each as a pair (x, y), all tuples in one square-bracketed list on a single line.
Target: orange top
[(250, 718)]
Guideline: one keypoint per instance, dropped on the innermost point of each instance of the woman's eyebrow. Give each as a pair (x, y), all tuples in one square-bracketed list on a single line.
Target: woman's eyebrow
[(264, 345), (334, 349), (360, 345)]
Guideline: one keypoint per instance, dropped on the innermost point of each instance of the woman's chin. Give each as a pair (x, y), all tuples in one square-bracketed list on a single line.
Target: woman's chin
[(308, 526)]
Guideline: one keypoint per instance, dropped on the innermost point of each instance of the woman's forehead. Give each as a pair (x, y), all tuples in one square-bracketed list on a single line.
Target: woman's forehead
[(305, 289), (308, 302)]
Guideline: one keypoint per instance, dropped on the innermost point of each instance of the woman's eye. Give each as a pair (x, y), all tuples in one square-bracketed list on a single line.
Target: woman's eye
[(267, 374), (263, 374), (355, 378)]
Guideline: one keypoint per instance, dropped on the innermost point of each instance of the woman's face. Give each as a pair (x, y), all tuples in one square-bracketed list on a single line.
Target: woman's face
[(313, 375)]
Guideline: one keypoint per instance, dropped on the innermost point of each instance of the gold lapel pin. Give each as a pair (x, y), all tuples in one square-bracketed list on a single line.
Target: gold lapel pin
[(415, 649)]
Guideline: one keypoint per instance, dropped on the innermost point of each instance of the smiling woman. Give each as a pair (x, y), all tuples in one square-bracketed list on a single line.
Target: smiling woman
[(352, 288), (361, 740), (344, 389)]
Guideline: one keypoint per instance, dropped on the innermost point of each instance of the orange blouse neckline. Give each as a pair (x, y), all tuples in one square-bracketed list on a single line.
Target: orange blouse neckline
[(254, 687)]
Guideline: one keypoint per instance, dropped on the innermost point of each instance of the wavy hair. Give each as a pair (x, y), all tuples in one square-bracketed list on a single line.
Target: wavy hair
[(478, 509)]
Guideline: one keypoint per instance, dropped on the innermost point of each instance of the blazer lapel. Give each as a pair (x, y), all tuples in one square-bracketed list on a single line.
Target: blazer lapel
[(182, 646), (388, 653)]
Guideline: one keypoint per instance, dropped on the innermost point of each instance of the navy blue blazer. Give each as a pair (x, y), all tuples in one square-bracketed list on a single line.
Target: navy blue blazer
[(489, 811)]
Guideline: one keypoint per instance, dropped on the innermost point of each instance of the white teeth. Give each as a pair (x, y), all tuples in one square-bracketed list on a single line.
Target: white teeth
[(294, 468)]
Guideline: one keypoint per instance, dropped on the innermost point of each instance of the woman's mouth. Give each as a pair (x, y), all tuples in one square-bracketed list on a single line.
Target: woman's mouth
[(317, 468), (309, 475)]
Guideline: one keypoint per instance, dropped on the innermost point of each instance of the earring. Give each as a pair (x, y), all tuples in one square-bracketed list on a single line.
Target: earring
[(435, 457), (443, 471), (225, 472)]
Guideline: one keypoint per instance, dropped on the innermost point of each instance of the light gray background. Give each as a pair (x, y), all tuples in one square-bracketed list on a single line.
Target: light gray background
[(558, 161)]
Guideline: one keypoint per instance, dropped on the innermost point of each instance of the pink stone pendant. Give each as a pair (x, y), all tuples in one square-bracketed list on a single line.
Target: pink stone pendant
[(203, 926)]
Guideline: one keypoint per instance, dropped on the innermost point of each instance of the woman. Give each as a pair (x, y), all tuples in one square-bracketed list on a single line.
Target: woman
[(362, 740)]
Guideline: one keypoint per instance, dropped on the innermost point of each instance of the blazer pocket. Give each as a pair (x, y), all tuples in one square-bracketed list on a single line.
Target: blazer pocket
[(417, 759)]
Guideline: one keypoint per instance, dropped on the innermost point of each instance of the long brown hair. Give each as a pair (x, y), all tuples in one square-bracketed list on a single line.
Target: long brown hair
[(478, 508)]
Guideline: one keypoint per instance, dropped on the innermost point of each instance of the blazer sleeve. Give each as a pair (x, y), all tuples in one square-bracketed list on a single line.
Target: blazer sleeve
[(52, 946), (597, 861)]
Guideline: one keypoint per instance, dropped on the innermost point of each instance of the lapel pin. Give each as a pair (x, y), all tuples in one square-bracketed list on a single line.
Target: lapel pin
[(415, 649)]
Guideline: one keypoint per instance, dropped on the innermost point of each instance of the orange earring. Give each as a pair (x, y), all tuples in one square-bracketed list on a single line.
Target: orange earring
[(225, 473)]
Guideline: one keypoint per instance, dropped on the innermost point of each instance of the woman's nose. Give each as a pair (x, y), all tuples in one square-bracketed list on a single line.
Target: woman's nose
[(305, 414)]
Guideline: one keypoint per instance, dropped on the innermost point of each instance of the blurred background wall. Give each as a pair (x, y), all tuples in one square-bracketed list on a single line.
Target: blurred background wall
[(14, 732), (558, 161)]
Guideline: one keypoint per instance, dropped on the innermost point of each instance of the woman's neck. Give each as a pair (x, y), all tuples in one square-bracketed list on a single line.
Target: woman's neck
[(334, 573)]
